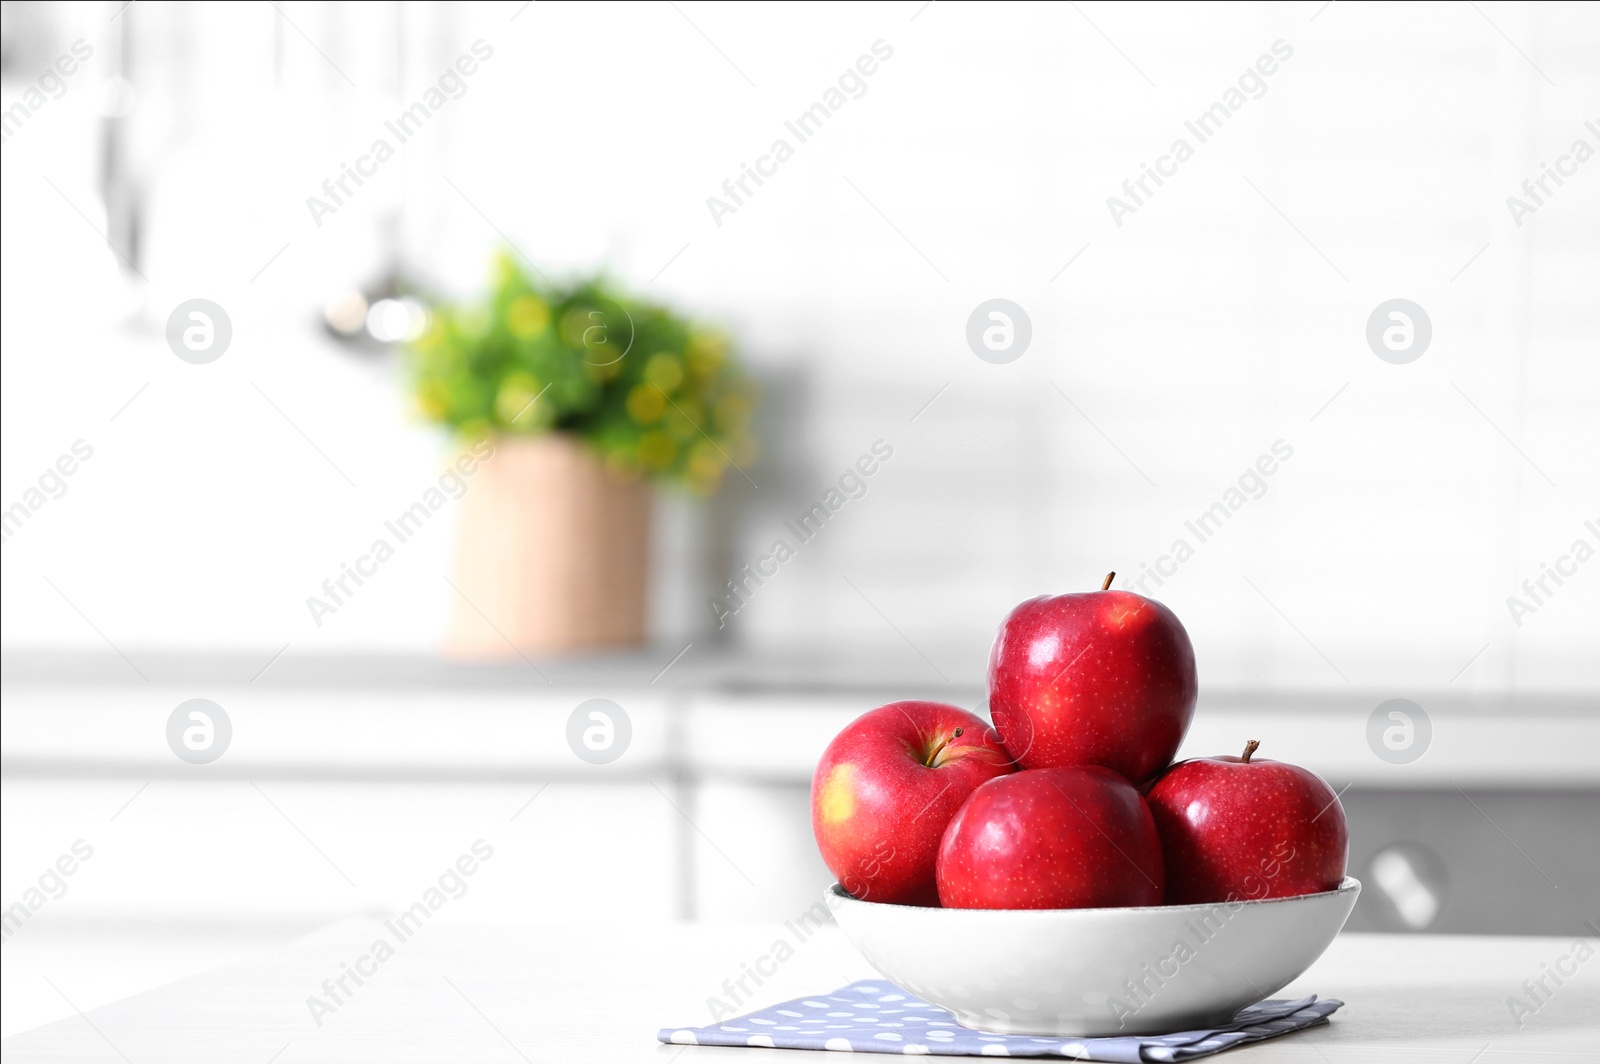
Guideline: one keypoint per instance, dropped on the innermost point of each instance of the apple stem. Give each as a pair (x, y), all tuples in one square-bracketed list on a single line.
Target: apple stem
[(1249, 748), (936, 750), (1109, 577)]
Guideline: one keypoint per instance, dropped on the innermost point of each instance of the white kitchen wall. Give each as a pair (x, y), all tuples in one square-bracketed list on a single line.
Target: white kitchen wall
[(1168, 353)]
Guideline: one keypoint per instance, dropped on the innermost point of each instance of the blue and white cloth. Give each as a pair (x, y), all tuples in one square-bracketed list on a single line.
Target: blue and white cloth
[(874, 1016)]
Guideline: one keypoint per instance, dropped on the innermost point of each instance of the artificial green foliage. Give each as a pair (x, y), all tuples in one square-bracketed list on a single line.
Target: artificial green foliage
[(651, 393)]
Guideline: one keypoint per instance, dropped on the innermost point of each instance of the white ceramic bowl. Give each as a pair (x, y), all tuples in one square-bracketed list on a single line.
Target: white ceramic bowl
[(1094, 972)]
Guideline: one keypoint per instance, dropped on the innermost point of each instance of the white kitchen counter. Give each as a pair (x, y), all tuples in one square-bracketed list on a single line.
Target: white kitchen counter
[(350, 778), (600, 991), (710, 712)]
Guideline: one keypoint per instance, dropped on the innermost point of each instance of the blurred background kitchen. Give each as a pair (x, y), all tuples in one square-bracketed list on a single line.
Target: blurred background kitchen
[(1409, 602)]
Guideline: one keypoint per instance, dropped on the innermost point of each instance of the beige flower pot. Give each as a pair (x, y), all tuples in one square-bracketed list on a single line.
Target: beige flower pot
[(552, 555)]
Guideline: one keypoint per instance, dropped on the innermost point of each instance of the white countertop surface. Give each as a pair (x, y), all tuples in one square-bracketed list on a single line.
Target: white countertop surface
[(600, 992), (712, 713)]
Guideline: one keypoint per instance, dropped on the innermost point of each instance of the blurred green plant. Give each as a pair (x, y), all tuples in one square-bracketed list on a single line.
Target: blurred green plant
[(653, 394)]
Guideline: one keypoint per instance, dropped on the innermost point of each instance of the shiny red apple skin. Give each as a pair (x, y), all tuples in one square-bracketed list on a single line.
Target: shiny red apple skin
[(1099, 678), (879, 810), (1078, 837), (1236, 831)]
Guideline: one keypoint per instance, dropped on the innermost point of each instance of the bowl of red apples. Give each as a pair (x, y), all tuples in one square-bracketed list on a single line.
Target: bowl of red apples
[(1054, 873)]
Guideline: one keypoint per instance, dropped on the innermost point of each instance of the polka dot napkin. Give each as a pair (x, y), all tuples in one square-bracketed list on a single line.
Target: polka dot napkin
[(873, 1016)]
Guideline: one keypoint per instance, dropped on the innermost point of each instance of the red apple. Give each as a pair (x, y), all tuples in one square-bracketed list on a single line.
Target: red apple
[(1236, 829), (1052, 838), (1100, 678), (885, 789)]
